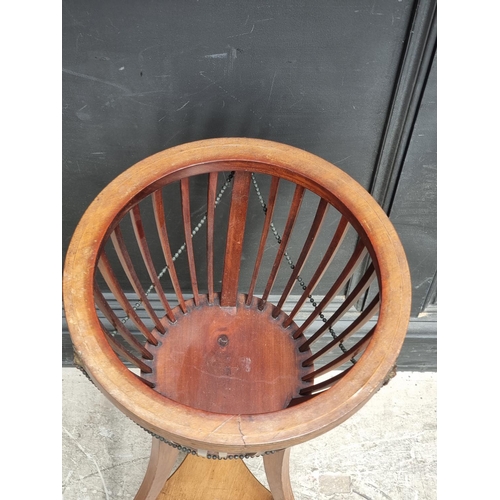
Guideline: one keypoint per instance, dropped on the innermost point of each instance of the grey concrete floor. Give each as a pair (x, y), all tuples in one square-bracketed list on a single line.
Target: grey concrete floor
[(385, 451)]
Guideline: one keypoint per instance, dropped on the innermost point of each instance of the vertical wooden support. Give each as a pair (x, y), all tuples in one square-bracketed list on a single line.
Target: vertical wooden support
[(273, 191), (338, 237), (140, 235), (356, 258), (235, 234), (128, 267), (107, 273), (211, 193), (203, 479), (277, 467), (161, 463), (161, 226), (292, 217), (311, 238)]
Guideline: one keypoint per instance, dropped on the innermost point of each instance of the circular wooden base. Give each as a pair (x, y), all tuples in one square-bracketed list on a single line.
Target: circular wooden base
[(233, 360)]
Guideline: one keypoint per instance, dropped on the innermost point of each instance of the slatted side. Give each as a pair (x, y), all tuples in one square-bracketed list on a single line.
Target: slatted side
[(108, 274), (122, 352), (159, 214), (324, 384), (354, 327), (119, 326), (350, 335), (269, 210), (357, 257), (131, 273), (292, 217), (345, 275), (306, 250), (332, 249)]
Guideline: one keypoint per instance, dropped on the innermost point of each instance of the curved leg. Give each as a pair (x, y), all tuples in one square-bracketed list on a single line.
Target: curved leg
[(160, 466), (278, 474)]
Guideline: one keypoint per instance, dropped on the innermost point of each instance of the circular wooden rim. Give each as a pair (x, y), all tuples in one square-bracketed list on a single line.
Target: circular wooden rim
[(237, 433)]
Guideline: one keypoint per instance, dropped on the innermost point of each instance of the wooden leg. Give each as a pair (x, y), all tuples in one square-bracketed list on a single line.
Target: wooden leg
[(203, 479), (278, 474), (161, 462)]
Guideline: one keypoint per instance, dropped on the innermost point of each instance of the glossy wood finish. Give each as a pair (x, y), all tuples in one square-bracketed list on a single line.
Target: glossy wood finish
[(254, 427), (228, 360), (235, 234)]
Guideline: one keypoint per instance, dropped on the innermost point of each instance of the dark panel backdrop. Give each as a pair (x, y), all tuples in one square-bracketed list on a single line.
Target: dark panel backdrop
[(334, 78)]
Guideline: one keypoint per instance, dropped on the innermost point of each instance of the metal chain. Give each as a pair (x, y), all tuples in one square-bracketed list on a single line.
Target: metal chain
[(292, 266)]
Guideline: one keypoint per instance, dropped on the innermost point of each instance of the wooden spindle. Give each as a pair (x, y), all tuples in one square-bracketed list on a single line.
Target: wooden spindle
[(211, 195), (277, 467), (325, 384), (349, 301), (292, 217), (271, 203), (353, 351), (358, 323), (311, 238), (109, 277), (334, 245), (120, 350), (135, 216), (356, 258), (235, 235), (159, 213), (110, 315), (144, 381), (127, 265), (186, 217)]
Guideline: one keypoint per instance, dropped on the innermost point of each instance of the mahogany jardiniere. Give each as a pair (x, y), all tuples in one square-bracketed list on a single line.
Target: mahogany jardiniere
[(225, 364)]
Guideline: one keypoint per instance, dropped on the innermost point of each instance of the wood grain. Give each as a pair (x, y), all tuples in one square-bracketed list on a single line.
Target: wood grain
[(203, 479), (235, 235), (216, 430), (228, 360)]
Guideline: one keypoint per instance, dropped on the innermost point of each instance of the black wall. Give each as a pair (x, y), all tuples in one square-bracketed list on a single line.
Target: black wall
[(351, 81)]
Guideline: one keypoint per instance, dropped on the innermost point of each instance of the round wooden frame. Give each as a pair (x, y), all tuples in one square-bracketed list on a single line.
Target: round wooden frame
[(236, 434)]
